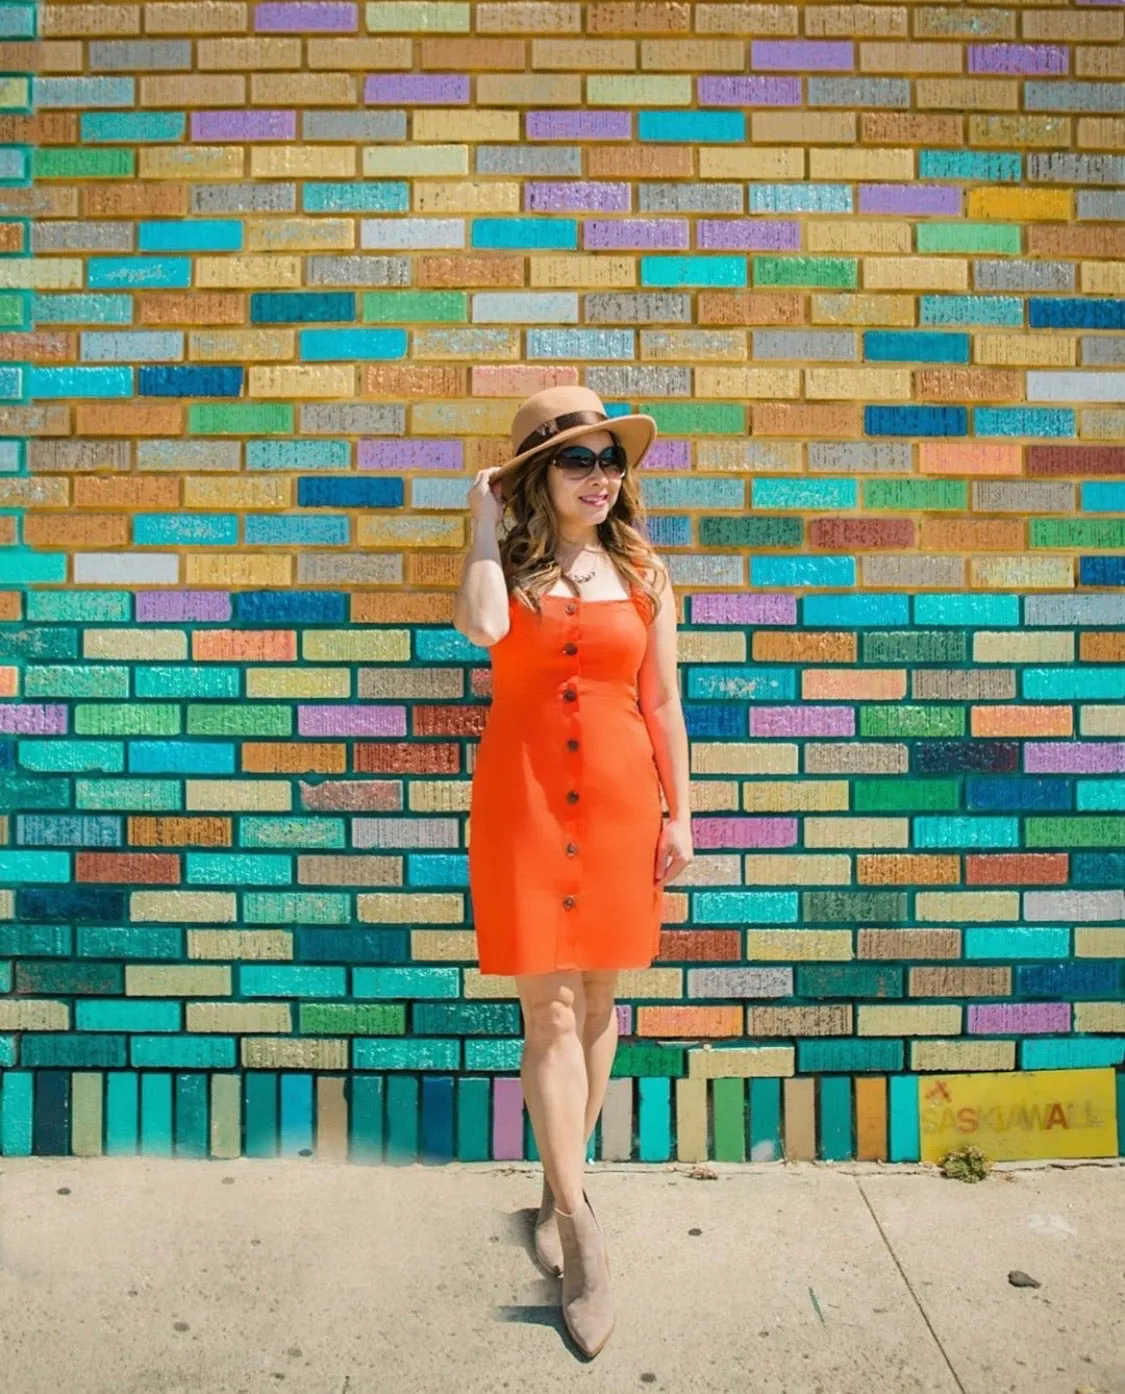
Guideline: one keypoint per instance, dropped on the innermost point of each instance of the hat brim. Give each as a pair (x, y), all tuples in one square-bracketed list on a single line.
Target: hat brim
[(636, 433)]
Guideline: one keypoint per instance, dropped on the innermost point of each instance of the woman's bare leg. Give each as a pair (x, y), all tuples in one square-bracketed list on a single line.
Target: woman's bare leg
[(599, 1041), (553, 1074)]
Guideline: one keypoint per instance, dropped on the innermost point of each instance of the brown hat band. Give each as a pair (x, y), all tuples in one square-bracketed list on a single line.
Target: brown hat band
[(546, 429)]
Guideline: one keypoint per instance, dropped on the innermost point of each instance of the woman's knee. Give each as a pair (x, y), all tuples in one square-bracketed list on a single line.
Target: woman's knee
[(553, 1007), (599, 990)]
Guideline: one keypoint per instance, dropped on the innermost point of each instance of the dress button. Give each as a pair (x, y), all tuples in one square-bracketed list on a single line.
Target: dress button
[(572, 745), (570, 609), (569, 695), (572, 796), (571, 848), (570, 649), (568, 903)]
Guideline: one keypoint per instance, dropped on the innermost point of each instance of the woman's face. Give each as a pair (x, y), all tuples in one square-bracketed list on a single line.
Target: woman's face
[(584, 502)]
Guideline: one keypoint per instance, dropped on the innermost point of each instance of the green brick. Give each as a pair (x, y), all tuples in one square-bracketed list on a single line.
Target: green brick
[(1077, 532), (911, 721), (408, 307), (351, 1019), (906, 795), (635, 1060), (250, 720), (57, 756), (751, 532), (697, 418), (116, 719), (831, 272), (853, 907), (240, 419), (80, 607), (13, 310), (728, 1097), (300, 833), (71, 162), (968, 238), (17, 791), (852, 980), (53, 680), (129, 795), (915, 495), (1096, 830), (914, 646)]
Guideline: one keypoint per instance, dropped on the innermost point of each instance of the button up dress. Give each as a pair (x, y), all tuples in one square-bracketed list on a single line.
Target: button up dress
[(565, 810)]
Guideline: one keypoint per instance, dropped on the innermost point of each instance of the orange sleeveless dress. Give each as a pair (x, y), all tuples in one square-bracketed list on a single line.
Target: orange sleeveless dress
[(565, 809)]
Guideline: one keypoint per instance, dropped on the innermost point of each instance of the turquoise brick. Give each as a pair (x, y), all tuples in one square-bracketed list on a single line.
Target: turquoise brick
[(742, 684), (1103, 498), (691, 127), (181, 757), (446, 646), (804, 493), (999, 310), (437, 869), (34, 866), (1073, 684), (134, 1014), (129, 795), (545, 234), (1016, 942), (854, 611), (437, 493), (84, 91), (183, 1053), (17, 21), (70, 382), (503, 1056), (153, 681), (849, 1057), (692, 493), (1077, 1053), (82, 309), (802, 571), (191, 235), (693, 271), (750, 907), (185, 530), (139, 273), (1100, 795), (298, 454), (290, 980), (152, 942), (22, 568), (800, 197), (1024, 421), (344, 345), (406, 983), (969, 611), (948, 831), (296, 532), (16, 1095), (975, 166), (382, 196), (413, 1054), (295, 907), (914, 346), (236, 869), (143, 127)]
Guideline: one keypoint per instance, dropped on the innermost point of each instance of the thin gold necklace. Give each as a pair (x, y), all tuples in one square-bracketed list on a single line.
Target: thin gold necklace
[(582, 578)]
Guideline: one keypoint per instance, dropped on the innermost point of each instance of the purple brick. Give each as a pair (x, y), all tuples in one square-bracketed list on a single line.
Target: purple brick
[(351, 721), (177, 606), (744, 832), (402, 89), (507, 1119), (750, 91), (579, 125), (803, 55), (668, 454), (1018, 1018), (636, 234), (721, 608), (1074, 757), (244, 125), (411, 455), (802, 721), (306, 16), (747, 235), (33, 719), (944, 200), (624, 1019), (576, 197), (1017, 58)]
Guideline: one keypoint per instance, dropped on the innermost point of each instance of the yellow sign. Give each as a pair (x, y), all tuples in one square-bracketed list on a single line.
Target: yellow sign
[(1020, 1116)]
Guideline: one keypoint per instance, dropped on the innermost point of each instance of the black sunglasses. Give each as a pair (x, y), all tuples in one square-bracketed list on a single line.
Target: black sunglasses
[(577, 461)]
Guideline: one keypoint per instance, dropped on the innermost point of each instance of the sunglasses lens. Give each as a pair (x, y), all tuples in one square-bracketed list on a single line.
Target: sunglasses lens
[(576, 461)]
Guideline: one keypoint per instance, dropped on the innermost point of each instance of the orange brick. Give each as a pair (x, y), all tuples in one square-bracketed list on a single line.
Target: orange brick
[(952, 981), (133, 868), (243, 645), (9, 680), (1017, 868), (840, 421), (263, 757), (128, 419), (776, 646), (910, 128), (441, 380), (44, 128), (196, 308), (41, 346), (640, 162), (700, 1022), (1022, 721), (466, 270), (972, 534), (176, 831), (369, 607), (908, 943), (455, 53), (907, 869), (520, 379), (969, 457), (1092, 241), (1106, 646), (853, 685), (135, 200), (969, 385), (400, 757), (76, 530), (654, 17), (139, 491), (11, 605), (9, 530), (444, 571), (750, 307)]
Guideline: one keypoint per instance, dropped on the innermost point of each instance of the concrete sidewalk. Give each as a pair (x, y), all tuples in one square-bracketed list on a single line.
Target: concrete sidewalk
[(161, 1276)]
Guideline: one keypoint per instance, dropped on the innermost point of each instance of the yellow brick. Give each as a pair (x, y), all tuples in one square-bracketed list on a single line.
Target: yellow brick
[(1026, 573), (713, 796), (190, 17), (298, 682), (474, 127), (1097, 941), (469, 418), (859, 383), (974, 906), (372, 530), (74, 21), (183, 907), (967, 94), (1100, 63), (247, 55), (733, 457), (799, 945), (30, 1014), (829, 236), (1007, 131), (219, 570), (443, 946), (433, 342), (240, 492), (585, 55), (749, 162), (360, 53), (322, 379), (141, 645), (356, 646), (1102, 132), (738, 382), (440, 796), (62, 56), (300, 235), (1099, 1016), (796, 870), (910, 58), (303, 89), (857, 832), (1025, 350), (796, 796), (760, 20), (885, 163), (247, 271), (738, 757), (1102, 277), (1076, 27), (1102, 721), (301, 1053), (477, 987), (862, 309), (177, 980), (651, 984), (693, 55), (467, 196), (257, 945), (726, 646), (856, 21), (302, 162), (1102, 423), (915, 273), (47, 273), (953, 1057), (1020, 205), (529, 89), (741, 1062), (908, 1020), (529, 17), (577, 271), (383, 161), (239, 795), (240, 346), (396, 907), (703, 345), (192, 90), (803, 127), (638, 89), (1034, 646), (189, 162)]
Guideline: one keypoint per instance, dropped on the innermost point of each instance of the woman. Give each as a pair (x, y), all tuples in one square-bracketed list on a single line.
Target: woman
[(568, 850)]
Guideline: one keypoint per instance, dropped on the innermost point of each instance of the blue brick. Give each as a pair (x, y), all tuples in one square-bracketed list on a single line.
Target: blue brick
[(302, 307), (1006, 310), (854, 611), (437, 869), (139, 273), (291, 607), (565, 344), (703, 127), (237, 869), (804, 493), (967, 610), (185, 529), (715, 722), (189, 380), (749, 907), (693, 271), (1089, 978), (141, 127), (81, 309), (1012, 794), (666, 530), (1023, 421), (446, 646), (190, 235), (1103, 498), (531, 233), (915, 421), (325, 492), (443, 494), (1097, 868), (79, 382), (914, 346), (391, 196), (1060, 312), (744, 684), (802, 571), (83, 91), (344, 345), (267, 531), (181, 757), (977, 166), (1101, 571)]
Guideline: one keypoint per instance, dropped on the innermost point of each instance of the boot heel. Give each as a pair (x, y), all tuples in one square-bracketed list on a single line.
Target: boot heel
[(548, 1249)]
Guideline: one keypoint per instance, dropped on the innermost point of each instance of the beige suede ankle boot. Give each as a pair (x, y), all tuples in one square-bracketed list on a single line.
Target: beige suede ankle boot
[(548, 1250), (586, 1298)]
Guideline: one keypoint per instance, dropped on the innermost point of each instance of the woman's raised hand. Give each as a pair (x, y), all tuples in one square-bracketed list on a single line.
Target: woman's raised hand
[(484, 498)]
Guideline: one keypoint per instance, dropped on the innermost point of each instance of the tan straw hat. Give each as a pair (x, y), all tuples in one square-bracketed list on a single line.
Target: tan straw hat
[(558, 414)]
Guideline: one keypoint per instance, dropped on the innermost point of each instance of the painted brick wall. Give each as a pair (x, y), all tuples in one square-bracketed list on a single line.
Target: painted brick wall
[(274, 276)]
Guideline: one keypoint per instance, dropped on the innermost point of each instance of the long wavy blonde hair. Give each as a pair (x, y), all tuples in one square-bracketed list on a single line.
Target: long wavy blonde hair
[(527, 549)]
